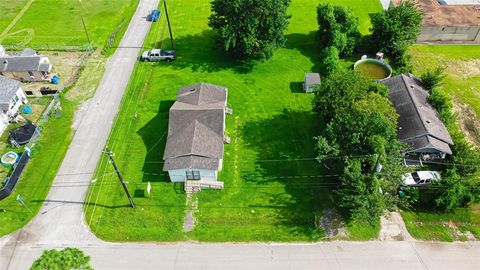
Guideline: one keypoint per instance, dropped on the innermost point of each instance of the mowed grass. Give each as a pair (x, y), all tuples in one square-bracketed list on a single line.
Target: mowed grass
[(274, 191), (462, 83), (58, 23)]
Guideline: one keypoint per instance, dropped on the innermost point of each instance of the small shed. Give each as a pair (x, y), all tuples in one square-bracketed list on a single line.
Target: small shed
[(311, 81)]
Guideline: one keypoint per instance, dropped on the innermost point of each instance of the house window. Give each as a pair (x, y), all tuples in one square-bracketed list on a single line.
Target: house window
[(13, 101), (193, 175)]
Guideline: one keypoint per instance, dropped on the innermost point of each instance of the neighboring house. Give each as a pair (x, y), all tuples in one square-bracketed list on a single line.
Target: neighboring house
[(196, 133), (419, 124), (448, 21), (11, 98), (26, 66), (311, 81)]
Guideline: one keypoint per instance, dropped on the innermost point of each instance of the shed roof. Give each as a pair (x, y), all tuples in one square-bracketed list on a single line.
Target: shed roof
[(196, 128), (312, 78), (419, 123), (8, 89)]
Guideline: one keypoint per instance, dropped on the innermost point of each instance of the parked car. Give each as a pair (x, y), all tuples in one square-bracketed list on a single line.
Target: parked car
[(420, 178), (156, 55), (153, 15)]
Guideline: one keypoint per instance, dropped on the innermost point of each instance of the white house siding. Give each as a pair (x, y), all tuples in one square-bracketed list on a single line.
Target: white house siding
[(22, 99), (180, 174)]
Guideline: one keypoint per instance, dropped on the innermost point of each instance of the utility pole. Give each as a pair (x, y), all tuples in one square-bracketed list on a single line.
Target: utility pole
[(110, 156), (168, 22)]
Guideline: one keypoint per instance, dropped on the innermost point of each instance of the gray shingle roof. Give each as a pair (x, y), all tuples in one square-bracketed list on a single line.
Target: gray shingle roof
[(419, 123), (196, 128), (8, 89), (15, 63)]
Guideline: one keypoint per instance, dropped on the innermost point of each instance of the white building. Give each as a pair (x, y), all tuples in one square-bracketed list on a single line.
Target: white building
[(11, 98), (194, 149)]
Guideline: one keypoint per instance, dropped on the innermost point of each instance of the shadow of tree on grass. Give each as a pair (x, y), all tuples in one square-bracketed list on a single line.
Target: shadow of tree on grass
[(284, 148)]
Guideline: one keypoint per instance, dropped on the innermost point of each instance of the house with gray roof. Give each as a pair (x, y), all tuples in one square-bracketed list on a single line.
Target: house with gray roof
[(26, 66), (419, 124), (11, 98), (196, 134)]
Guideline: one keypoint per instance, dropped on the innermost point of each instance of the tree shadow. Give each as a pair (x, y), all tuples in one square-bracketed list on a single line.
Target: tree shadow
[(307, 45), (284, 148), (154, 136), (206, 58)]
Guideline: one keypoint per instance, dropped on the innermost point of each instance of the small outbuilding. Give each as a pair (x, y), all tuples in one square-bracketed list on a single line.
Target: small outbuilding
[(311, 81)]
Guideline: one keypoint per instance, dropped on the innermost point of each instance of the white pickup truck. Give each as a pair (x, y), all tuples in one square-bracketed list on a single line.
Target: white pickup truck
[(157, 55)]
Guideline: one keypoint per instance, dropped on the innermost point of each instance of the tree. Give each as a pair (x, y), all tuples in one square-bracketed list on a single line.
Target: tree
[(359, 195), (340, 90), (330, 60), (361, 130), (250, 29), (395, 29), (455, 191), (65, 259), (338, 28), (433, 77)]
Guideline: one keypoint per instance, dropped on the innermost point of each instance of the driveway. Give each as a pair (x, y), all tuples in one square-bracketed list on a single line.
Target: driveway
[(60, 222)]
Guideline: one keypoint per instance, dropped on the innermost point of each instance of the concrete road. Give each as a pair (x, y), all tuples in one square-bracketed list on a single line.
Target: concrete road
[(60, 221)]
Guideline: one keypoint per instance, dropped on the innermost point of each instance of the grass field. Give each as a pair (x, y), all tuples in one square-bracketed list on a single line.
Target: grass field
[(58, 23), (263, 199), (463, 84)]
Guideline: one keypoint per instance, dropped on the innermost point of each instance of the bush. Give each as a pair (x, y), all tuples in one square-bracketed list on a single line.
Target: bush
[(432, 78), (330, 60), (337, 28)]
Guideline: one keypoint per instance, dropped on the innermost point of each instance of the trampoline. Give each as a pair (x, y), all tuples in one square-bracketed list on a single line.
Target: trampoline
[(23, 134)]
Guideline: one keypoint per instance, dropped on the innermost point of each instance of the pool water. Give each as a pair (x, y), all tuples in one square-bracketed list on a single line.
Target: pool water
[(373, 70)]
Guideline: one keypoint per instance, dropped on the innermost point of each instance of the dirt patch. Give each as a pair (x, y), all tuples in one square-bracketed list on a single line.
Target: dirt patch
[(468, 121), (333, 224), (192, 208), (464, 69), (459, 235), (65, 64)]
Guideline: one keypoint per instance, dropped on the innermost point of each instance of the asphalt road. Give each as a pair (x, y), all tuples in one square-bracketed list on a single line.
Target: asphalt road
[(60, 222)]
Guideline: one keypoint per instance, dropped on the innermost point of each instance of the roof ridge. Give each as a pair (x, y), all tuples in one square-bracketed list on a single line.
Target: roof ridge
[(416, 105)]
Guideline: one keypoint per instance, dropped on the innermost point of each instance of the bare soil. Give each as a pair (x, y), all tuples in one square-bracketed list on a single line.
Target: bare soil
[(468, 122)]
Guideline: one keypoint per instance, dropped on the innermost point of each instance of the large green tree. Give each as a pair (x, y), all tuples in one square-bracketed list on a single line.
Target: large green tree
[(395, 29), (65, 259), (338, 28), (361, 132), (250, 29)]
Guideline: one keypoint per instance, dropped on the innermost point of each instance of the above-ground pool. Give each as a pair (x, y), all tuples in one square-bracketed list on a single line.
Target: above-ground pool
[(373, 68), (9, 159)]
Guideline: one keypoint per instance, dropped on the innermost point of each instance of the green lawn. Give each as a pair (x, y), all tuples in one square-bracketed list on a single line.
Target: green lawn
[(263, 200), (463, 84), (57, 23)]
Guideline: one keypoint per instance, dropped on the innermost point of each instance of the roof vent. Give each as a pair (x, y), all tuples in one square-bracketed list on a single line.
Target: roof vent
[(411, 86), (428, 121), (193, 89)]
